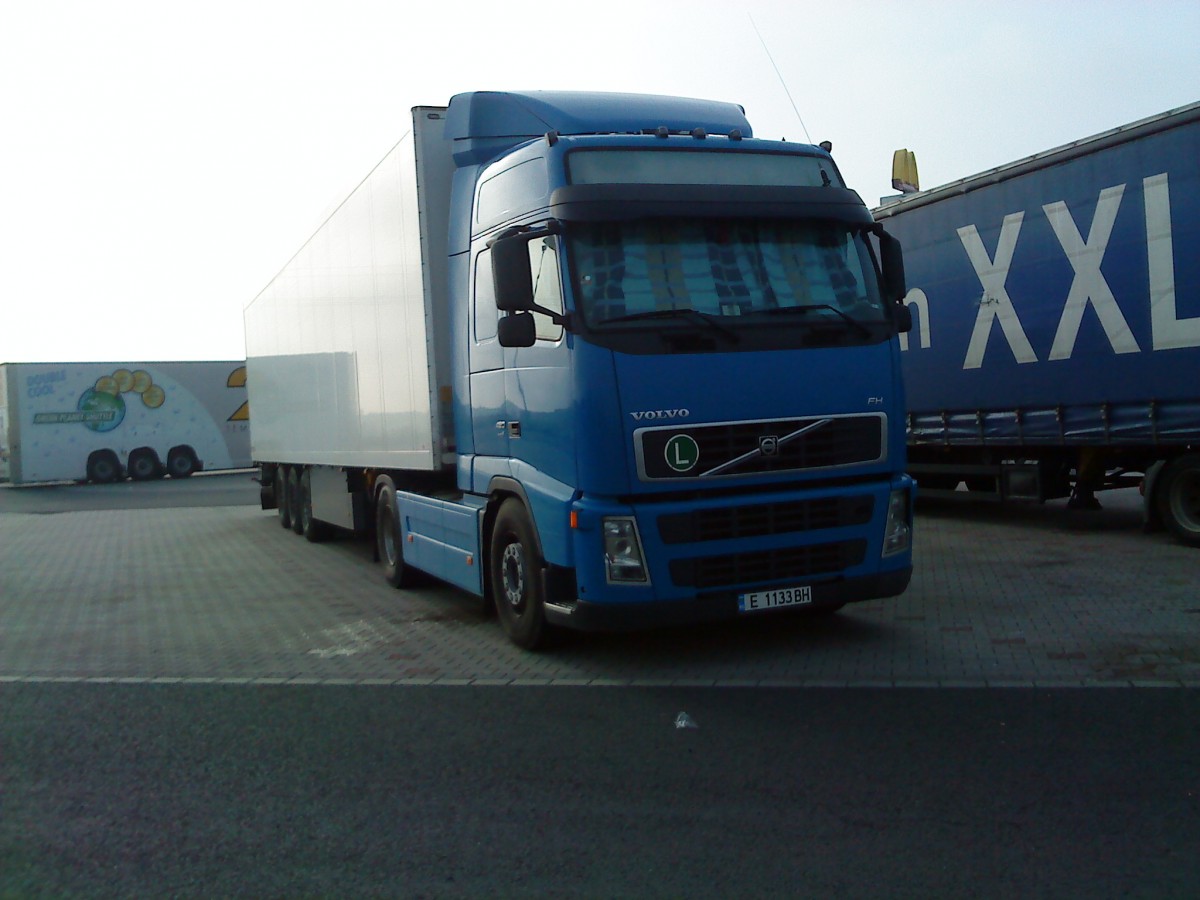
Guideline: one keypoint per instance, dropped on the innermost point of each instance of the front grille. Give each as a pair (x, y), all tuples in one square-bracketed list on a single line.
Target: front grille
[(764, 518), (767, 565), (757, 448)]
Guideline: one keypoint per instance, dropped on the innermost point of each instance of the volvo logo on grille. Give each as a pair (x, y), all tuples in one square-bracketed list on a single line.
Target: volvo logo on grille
[(656, 414), (768, 445)]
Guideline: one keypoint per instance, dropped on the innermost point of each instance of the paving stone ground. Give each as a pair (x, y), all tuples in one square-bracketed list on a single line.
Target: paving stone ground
[(1005, 596)]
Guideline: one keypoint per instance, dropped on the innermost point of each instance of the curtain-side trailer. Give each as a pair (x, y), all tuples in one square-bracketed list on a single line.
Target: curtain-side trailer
[(1056, 301)]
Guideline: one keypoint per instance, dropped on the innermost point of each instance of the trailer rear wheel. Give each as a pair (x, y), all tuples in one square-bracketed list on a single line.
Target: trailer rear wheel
[(295, 501), (1178, 496), (515, 583), (103, 467), (387, 539), (181, 462), (144, 465), (283, 498)]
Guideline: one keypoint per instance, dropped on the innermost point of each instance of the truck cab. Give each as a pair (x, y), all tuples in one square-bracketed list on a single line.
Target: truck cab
[(676, 374)]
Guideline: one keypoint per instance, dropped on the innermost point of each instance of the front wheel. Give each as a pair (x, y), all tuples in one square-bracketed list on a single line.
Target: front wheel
[(514, 569), (1178, 496), (387, 539)]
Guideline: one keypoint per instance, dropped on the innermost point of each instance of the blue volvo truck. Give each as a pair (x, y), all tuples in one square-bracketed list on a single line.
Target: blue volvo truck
[(1057, 305), (605, 361)]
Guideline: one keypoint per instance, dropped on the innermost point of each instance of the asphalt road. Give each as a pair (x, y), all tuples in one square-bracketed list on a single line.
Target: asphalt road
[(201, 791), (441, 790)]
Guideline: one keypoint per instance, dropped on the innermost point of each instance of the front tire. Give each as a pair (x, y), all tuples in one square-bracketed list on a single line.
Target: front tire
[(515, 576), (1178, 496), (387, 539)]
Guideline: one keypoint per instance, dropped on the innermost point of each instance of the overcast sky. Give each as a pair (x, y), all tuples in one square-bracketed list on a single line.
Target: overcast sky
[(160, 161)]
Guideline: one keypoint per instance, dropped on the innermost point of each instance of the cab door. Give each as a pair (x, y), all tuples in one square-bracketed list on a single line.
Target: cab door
[(489, 413), (538, 379)]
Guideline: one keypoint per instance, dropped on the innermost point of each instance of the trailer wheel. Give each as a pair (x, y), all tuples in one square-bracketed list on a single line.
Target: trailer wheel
[(103, 467), (1177, 492), (283, 499), (515, 583), (181, 462), (295, 499), (387, 539), (314, 530), (144, 465)]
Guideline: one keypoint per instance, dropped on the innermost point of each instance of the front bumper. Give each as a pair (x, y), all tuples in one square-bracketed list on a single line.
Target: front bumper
[(584, 616)]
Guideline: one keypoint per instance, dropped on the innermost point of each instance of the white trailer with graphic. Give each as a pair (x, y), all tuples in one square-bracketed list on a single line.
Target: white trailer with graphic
[(102, 421)]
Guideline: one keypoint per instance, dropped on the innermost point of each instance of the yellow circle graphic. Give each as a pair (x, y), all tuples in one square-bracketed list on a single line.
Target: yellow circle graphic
[(124, 380), (140, 380), (153, 396), (107, 385)]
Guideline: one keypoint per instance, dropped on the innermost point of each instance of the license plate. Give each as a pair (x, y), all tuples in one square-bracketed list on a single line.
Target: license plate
[(780, 597)]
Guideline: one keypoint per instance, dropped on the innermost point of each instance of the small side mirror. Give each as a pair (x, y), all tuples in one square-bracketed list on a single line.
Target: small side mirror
[(903, 318), (516, 330), (510, 269)]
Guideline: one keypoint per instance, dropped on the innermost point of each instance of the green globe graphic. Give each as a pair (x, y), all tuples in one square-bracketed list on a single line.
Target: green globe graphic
[(93, 400)]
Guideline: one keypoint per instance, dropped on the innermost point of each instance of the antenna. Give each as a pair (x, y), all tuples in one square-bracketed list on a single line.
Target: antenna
[(767, 50)]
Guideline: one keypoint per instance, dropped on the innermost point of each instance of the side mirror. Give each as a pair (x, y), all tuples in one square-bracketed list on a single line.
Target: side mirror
[(510, 269), (892, 261), (516, 330), (903, 318)]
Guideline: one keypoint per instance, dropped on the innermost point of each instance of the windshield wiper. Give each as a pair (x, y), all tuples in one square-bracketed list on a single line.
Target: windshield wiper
[(683, 313), (809, 307)]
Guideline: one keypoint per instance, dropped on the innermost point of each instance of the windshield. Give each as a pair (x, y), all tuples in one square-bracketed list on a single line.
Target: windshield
[(738, 272)]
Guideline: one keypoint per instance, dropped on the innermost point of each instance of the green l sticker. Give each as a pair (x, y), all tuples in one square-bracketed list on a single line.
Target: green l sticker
[(682, 453)]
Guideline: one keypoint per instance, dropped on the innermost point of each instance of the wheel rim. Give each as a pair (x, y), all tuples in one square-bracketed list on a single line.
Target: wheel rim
[(388, 537), (512, 576)]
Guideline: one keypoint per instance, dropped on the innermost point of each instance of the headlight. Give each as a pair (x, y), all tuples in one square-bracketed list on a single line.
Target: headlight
[(897, 533), (623, 560)]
